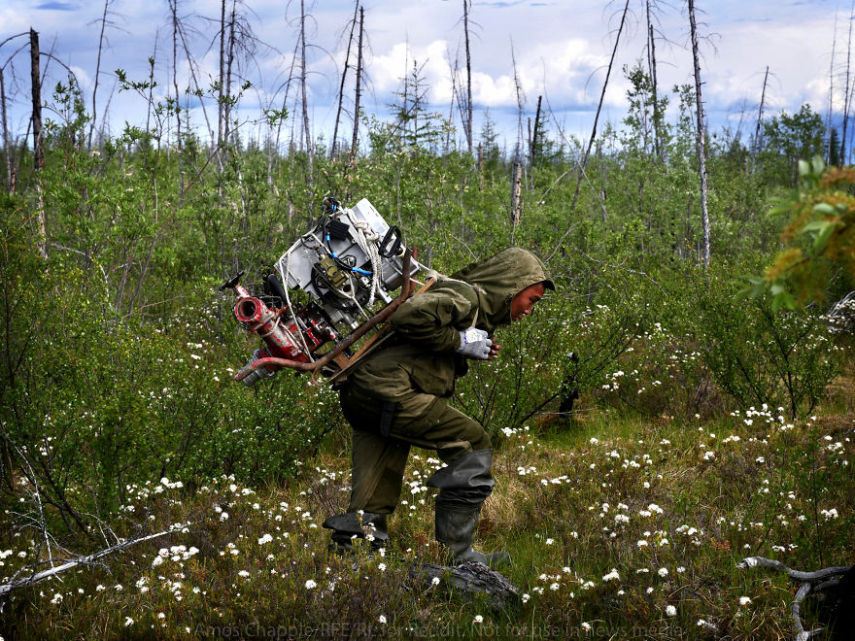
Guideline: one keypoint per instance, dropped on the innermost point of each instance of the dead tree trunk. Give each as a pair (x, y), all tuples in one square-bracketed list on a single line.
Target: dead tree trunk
[(533, 147), (97, 71), (654, 90), (38, 149), (828, 122), (583, 163), (468, 124), (847, 102), (516, 177), (516, 195), (7, 150), (173, 5), (701, 142), (343, 77), (221, 104), (227, 110), (755, 144), (306, 130), (354, 145)]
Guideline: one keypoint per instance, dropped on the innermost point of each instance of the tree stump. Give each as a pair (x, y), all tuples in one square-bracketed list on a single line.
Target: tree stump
[(470, 579)]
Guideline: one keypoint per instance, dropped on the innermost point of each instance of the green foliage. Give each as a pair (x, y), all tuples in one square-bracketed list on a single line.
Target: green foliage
[(790, 137), (819, 256), (760, 356)]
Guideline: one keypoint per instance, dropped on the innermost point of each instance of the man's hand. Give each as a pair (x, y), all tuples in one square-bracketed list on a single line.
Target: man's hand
[(475, 344)]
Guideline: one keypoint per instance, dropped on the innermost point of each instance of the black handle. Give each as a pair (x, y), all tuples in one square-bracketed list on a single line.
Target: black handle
[(396, 246)]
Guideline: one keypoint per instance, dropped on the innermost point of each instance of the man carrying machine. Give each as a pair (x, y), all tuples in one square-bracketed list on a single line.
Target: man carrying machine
[(397, 397)]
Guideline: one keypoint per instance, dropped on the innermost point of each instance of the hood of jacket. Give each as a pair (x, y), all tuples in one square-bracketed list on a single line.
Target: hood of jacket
[(498, 279)]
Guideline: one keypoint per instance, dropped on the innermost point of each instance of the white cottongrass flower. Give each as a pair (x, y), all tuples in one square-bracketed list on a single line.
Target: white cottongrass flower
[(267, 538), (382, 619), (478, 619), (310, 585), (663, 572), (435, 580), (670, 611), (128, 621), (612, 576), (586, 626), (744, 600)]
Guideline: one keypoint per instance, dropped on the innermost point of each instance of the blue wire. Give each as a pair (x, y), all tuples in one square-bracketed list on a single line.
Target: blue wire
[(355, 270)]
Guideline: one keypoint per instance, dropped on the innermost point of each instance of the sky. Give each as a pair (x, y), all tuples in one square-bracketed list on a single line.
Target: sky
[(561, 49)]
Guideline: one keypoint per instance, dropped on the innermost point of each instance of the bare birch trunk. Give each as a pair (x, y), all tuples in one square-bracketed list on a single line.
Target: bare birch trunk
[(38, 149), (227, 109), (221, 93), (173, 5), (828, 122), (702, 155), (584, 162), (847, 102), (306, 129), (97, 72), (343, 77), (516, 195), (654, 82), (468, 123), (355, 142), (7, 150), (756, 142), (533, 146), (516, 175)]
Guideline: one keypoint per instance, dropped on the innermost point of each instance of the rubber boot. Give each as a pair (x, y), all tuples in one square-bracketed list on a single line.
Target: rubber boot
[(376, 531), (347, 527), (455, 529)]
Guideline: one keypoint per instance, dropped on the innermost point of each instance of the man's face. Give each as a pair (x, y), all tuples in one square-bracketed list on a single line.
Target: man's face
[(523, 301)]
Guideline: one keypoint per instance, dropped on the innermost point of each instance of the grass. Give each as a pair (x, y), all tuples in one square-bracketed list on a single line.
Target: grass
[(617, 526)]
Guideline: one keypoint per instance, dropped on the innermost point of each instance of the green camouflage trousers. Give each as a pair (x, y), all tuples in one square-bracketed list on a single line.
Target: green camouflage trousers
[(379, 456)]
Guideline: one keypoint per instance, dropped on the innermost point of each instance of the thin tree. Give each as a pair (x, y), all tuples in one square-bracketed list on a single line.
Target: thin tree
[(755, 144), (534, 144), (584, 161), (7, 149), (828, 122), (230, 58), (306, 130), (173, 9), (847, 104), (701, 143), (107, 4), (38, 149), (343, 78), (221, 105), (517, 177), (467, 125), (354, 145), (654, 91)]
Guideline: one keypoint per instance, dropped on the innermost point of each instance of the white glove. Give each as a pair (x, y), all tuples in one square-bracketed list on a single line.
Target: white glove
[(475, 344)]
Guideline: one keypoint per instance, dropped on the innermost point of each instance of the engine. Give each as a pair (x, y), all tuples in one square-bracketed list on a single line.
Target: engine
[(345, 267)]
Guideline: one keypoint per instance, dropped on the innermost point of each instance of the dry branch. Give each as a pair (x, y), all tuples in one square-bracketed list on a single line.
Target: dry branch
[(17, 584)]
